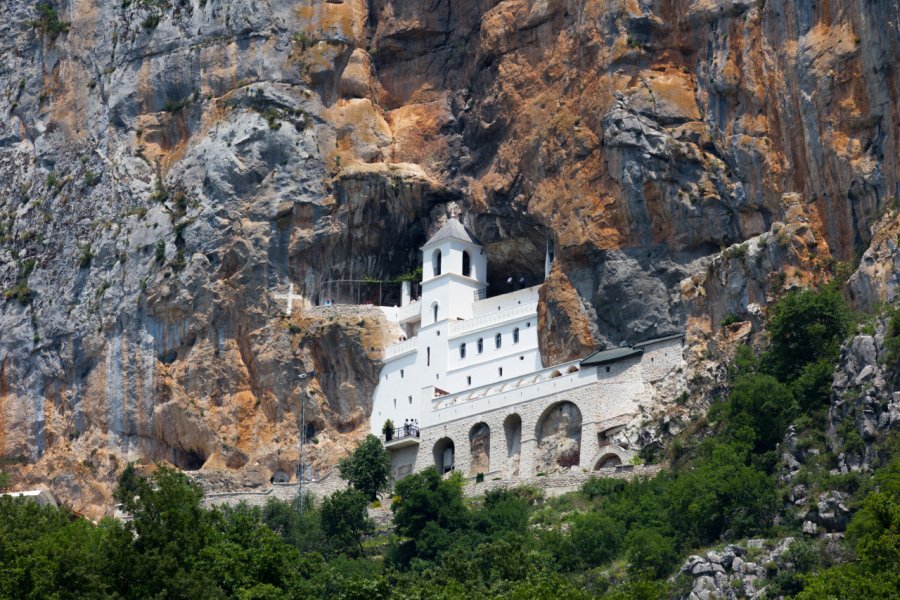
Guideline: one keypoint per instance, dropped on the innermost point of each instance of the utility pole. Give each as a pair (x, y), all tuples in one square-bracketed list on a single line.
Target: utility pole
[(302, 471)]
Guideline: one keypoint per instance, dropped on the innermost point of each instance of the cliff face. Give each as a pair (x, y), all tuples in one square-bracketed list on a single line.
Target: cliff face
[(168, 166)]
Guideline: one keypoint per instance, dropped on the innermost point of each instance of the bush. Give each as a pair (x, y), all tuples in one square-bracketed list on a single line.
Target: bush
[(805, 327), (345, 520), (48, 21)]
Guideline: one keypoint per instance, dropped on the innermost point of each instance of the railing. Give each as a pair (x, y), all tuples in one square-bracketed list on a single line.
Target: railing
[(410, 310), (497, 388), (400, 433), (401, 348), (460, 327)]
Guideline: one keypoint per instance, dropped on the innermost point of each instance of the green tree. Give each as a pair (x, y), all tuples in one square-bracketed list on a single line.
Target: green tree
[(597, 538), (761, 404), (302, 529), (650, 552), (345, 520), (804, 327), (368, 469)]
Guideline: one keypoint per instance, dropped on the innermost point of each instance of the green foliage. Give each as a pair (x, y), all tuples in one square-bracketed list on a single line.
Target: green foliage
[(892, 342), (4, 481), (368, 469), (84, 258), (345, 520), (805, 326), (874, 533), (160, 252), (91, 179), (729, 319), (758, 411), (48, 21)]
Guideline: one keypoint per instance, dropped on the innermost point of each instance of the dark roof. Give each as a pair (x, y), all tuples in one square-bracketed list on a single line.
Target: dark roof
[(452, 229), (607, 356), (659, 340)]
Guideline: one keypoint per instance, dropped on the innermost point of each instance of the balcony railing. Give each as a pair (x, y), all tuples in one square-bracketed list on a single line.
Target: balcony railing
[(403, 432), (480, 294)]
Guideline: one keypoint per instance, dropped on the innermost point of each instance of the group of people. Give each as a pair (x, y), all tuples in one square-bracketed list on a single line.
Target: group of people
[(411, 426), (511, 284)]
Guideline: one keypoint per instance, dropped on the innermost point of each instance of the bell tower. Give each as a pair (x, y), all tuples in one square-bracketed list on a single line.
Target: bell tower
[(454, 270)]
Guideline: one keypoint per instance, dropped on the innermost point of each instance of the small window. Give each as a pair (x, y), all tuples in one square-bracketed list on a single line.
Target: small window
[(434, 310), (428, 357), (498, 340), (468, 380), (500, 371), (516, 335), (521, 358), (462, 351), (467, 266), (480, 345), (401, 373), (528, 324), (607, 369), (410, 399), (395, 404), (436, 262)]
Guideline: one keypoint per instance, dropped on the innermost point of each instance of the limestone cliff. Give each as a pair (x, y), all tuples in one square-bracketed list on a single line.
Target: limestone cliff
[(167, 167)]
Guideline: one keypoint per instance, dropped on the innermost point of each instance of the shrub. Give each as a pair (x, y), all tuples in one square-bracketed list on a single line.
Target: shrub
[(729, 319), (48, 21), (160, 251), (84, 259)]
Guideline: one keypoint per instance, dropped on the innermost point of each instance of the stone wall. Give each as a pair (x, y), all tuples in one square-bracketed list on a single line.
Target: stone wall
[(569, 480)]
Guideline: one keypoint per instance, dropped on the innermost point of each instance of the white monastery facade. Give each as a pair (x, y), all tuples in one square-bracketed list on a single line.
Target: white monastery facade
[(465, 387)]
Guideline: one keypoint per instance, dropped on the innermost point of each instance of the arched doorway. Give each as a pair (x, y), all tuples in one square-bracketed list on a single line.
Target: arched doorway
[(512, 428), (608, 461), (558, 436), (480, 448), (444, 454)]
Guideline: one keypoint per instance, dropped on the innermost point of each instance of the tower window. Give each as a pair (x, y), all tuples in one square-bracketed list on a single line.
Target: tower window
[(428, 356), (462, 350), (436, 262), (480, 345), (516, 335), (467, 265), (500, 371), (434, 311), (401, 373), (468, 380), (410, 399), (498, 340)]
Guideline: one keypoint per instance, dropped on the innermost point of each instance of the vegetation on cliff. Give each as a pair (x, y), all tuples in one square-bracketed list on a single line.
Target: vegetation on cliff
[(612, 539)]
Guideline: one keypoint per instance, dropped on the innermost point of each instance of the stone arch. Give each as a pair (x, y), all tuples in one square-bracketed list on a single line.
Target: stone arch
[(608, 461), (512, 428), (480, 448), (280, 477), (609, 457), (444, 454), (555, 374), (558, 436)]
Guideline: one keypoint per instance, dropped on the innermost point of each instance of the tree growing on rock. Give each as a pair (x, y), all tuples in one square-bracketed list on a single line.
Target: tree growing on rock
[(368, 469)]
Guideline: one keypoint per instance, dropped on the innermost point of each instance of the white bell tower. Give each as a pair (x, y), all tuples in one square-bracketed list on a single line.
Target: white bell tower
[(454, 270)]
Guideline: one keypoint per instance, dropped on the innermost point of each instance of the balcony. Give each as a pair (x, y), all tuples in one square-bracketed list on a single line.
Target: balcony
[(491, 319), (401, 348), (401, 437)]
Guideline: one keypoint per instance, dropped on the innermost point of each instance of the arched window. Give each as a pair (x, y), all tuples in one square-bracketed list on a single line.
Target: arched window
[(498, 340), (428, 356), (434, 311), (462, 350), (467, 264), (516, 335), (480, 345), (436, 262)]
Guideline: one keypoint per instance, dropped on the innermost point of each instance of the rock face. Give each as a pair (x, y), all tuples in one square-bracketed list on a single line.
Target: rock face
[(168, 167)]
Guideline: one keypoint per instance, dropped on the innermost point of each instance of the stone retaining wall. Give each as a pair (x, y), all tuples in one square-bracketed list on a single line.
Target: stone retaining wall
[(552, 485)]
